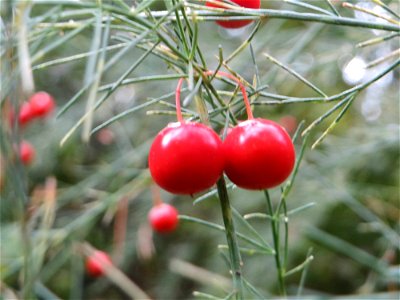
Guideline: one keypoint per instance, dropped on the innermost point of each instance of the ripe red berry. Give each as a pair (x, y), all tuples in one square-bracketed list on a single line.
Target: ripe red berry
[(259, 154), (26, 152), (186, 158), (42, 104), (96, 262), (163, 218), (25, 113), (254, 4)]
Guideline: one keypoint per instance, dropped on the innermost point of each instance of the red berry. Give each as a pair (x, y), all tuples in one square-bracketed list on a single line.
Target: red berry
[(26, 152), (96, 262), (25, 113), (259, 154), (254, 4), (186, 158), (42, 104), (163, 218)]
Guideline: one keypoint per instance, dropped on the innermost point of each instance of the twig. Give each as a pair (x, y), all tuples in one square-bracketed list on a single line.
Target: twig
[(277, 246), (387, 8), (370, 12), (119, 278), (198, 274), (333, 8), (234, 251), (295, 74), (378, 40), (383, 59)]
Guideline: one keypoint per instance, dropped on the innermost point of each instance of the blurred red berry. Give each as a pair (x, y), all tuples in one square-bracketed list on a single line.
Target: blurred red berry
[(26, 153), (254, 4), (96, 262), (163, 218), (42, 104), (105, 136), (25, 113)]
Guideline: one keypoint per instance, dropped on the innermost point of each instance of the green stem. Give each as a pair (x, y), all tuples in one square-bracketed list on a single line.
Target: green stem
[(231, 238), (291, 15), (28, 281), (275, 236)]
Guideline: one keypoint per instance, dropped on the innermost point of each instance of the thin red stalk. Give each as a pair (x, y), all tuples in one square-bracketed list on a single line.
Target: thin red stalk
[(121, 219), (178, 101), (207, 73), (155, 191), (242, 88)]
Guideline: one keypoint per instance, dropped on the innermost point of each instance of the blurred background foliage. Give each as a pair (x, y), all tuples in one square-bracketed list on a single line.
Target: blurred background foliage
[(350, 180)]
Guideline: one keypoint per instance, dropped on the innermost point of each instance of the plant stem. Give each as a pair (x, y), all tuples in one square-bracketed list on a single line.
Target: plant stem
[(242, 88), (231, 238), (289, 15), (275, 236), (178, 101)]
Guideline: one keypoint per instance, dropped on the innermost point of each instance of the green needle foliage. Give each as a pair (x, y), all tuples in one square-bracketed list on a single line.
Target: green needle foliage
[(332, 228)]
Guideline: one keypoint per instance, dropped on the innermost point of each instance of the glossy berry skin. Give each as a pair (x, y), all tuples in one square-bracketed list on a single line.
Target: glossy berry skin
[(186, 158), (163, 218), (96, 262), (254, 4), (25, 113), (259, 154), (42, 104), (26, 153)]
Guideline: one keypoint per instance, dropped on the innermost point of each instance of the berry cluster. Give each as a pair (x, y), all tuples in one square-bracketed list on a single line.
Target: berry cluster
[(38, 106), (188, 157)]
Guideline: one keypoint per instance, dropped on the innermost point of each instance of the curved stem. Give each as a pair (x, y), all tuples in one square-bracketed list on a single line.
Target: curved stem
[(208, 73), (242, 88), (178, 101), (155, 191)]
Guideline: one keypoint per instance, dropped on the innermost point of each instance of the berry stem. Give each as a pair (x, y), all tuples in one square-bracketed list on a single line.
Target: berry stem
[(233, 247), (277, 246), (242, 88), (208, 73), (155, 191), (178, 101)]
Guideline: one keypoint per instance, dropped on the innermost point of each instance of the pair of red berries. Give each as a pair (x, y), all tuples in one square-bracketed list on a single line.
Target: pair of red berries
[(188, 157), (253, 4), (39, 106)]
